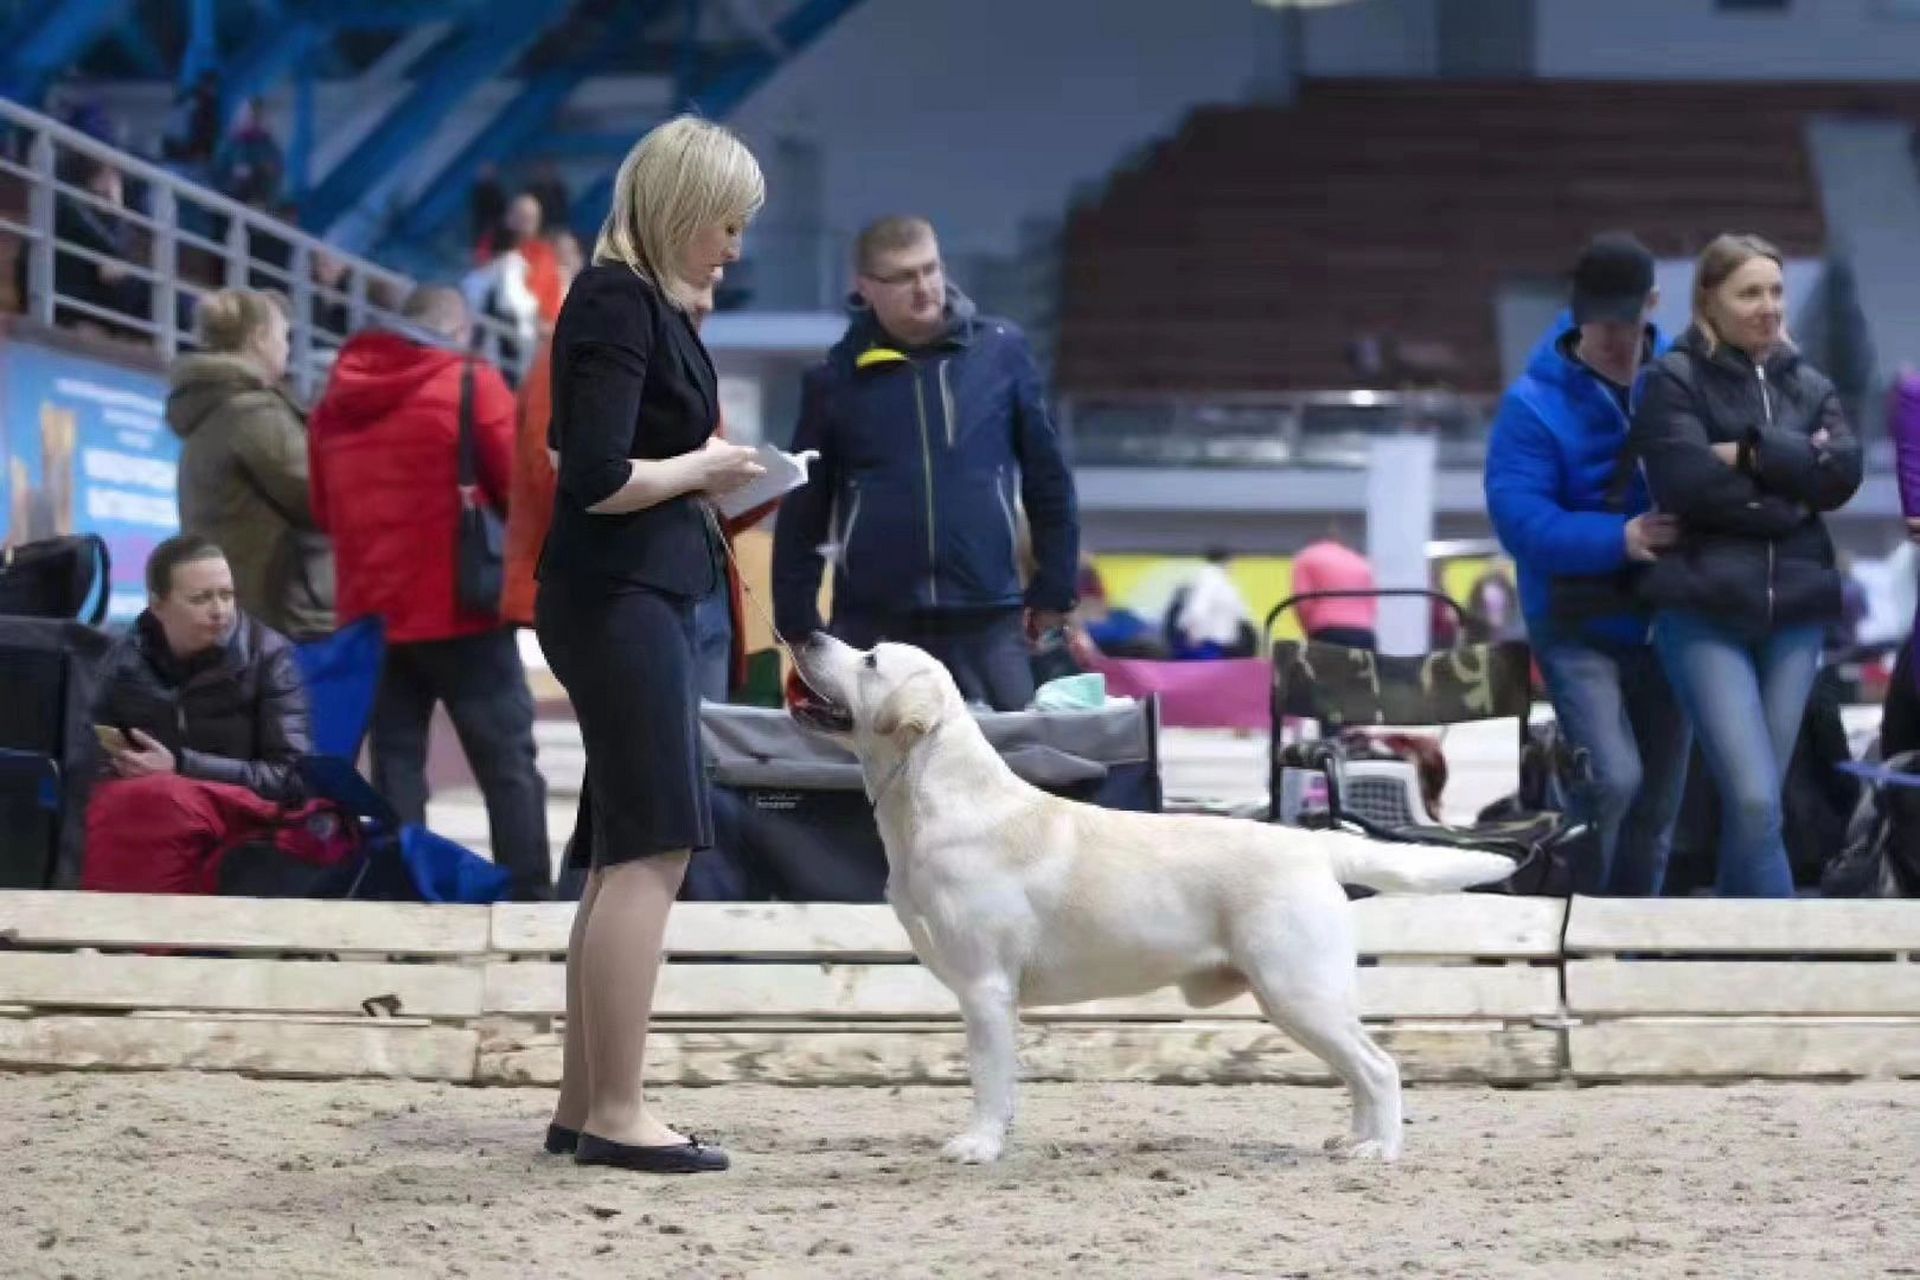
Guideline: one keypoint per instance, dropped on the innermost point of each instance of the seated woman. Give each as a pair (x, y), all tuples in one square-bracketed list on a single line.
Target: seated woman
[(201, 717)]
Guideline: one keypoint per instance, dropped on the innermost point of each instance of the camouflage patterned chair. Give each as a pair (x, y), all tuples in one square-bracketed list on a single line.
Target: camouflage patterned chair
[(1343, 688)]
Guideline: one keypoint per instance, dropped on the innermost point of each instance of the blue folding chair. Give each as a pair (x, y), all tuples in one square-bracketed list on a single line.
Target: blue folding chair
[(405, 862), (342, 677)]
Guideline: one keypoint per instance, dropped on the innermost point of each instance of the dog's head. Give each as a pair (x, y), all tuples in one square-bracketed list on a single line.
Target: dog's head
[(893, 692)]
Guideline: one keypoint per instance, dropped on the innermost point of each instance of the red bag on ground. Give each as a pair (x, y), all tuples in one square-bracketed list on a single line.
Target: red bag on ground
[(169, 834)]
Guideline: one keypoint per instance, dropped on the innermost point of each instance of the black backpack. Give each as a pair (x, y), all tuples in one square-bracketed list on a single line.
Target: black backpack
[(55, 578), (1881, 855)]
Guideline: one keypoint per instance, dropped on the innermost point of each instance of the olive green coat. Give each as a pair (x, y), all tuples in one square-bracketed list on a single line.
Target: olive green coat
[(243, 483)]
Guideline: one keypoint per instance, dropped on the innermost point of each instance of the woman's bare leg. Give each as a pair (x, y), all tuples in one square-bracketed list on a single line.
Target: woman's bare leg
[(622, 943), (576, 1082)]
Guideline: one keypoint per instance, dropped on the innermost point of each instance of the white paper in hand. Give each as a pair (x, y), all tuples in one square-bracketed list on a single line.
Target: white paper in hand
[(785, 472)]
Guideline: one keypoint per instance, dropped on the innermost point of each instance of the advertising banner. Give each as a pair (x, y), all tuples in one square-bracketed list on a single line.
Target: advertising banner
[(86, 449)]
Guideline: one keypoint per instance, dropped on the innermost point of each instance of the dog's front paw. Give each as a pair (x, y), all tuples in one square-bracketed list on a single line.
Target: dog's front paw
[(973, 1148), (1369, 1149)]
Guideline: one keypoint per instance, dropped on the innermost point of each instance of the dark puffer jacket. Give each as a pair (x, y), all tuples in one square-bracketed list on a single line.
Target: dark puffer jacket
[(1755, 554), (235, 714)]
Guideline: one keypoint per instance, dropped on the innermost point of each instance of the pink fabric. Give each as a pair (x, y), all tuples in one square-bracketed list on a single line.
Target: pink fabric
[(1225, 693), (1328, 566)]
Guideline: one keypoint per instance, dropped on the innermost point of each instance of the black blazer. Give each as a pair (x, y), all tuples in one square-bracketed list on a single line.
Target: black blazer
[(631, 379)]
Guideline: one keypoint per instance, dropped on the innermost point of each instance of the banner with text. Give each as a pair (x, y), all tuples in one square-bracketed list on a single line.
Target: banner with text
[(86, 449)]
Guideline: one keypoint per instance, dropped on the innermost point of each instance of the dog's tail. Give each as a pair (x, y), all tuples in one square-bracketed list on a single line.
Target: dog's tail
[(1409, 868)]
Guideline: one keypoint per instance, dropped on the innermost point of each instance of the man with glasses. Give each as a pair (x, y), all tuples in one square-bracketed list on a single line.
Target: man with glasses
[(933, 433)]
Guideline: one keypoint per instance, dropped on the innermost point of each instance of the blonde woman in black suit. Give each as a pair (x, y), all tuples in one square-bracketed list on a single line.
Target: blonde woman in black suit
[(633, 546)]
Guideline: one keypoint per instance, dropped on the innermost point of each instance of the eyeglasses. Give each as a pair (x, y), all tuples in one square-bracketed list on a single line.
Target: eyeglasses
[(899, 279)]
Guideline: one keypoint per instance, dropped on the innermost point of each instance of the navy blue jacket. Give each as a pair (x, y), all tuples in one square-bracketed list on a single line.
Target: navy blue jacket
[(924, 455), (1551, 459)]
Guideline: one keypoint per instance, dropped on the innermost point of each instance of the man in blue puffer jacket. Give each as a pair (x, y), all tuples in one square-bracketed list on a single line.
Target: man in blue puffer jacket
[(932, 432), (1575, 523)]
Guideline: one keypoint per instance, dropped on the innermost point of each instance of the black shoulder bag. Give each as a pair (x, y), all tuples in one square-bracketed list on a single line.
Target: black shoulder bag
[(480, 548)]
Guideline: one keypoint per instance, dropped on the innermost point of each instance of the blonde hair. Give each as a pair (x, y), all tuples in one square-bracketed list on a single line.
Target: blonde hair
[(231, 319), (682, 176), (1718, 261)]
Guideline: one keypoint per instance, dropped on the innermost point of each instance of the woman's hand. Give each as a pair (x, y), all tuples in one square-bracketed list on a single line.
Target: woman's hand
[(725, 467), (1727, 453), (145, 758)]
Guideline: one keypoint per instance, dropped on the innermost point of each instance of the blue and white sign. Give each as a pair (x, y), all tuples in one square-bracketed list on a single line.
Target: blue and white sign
[(87, 450)]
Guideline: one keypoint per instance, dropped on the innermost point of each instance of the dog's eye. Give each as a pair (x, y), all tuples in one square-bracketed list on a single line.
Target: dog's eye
[(873, 662)]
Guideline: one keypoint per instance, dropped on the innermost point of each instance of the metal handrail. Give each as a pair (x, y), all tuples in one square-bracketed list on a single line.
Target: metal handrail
[(47, 142)]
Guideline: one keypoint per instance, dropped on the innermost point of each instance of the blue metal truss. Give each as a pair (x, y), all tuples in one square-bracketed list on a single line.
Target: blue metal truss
[(55, 43), (135, 41), (723, 89), (265, 60), (472, 55), (520, 124), (397, 15), (203, 43)]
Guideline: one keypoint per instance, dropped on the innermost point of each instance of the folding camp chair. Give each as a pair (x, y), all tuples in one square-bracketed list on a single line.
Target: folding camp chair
[(404, 863), (341, 673), (1343, 688)]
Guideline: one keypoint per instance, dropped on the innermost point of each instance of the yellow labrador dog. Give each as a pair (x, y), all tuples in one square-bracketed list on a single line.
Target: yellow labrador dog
[(1014, 897)]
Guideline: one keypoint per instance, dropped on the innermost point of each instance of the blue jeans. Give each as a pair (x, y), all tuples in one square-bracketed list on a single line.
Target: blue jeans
[(1613, 703), (1746, 699)]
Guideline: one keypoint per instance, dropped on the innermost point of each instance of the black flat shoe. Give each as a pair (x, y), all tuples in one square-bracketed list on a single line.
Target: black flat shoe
[(562, 1141), (692, 1156)]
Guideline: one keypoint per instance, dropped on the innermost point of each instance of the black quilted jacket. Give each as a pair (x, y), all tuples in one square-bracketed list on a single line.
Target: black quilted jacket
[(1755, 554), (236, 714)]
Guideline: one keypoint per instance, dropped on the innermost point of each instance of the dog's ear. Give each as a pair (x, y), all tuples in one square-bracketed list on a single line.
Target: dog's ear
[(912, 708)]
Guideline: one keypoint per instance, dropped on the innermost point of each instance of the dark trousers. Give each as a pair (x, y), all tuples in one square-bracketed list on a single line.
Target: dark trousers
[(484, 686), (1900, 717), (986, 650)]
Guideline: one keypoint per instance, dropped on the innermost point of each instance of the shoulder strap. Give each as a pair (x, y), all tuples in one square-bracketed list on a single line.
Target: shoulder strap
[(100, 562), (469, 468)]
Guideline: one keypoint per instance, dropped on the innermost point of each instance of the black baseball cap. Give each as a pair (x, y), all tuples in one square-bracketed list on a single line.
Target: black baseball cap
[(1612, 279)]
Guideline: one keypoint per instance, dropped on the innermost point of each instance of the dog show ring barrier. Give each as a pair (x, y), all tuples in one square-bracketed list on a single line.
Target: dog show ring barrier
[(1462, 988)]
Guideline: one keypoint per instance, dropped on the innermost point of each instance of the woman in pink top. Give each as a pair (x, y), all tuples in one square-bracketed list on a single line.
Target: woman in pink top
[(1327, 565)]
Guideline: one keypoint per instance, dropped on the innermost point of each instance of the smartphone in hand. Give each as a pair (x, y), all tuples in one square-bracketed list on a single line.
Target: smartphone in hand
[(112, 739)]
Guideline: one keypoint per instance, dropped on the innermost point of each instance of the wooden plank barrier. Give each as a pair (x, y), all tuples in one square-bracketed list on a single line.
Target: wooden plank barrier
[(1473, 987), (1724, 989), (825, 991), (814, 994), (44, 918)]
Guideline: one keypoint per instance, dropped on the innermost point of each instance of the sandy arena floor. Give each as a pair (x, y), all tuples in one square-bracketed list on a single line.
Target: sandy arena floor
[(205, 1175)]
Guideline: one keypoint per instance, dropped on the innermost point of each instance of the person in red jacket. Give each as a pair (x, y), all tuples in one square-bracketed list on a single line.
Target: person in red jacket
[(385, 441)]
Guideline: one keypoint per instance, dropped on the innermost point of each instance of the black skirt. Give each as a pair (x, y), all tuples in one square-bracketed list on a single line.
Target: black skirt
[(625, 655)]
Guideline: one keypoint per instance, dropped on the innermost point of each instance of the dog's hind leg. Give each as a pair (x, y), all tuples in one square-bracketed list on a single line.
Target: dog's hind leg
[(1309, 993), (993, 1064), (1336, 1035)]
